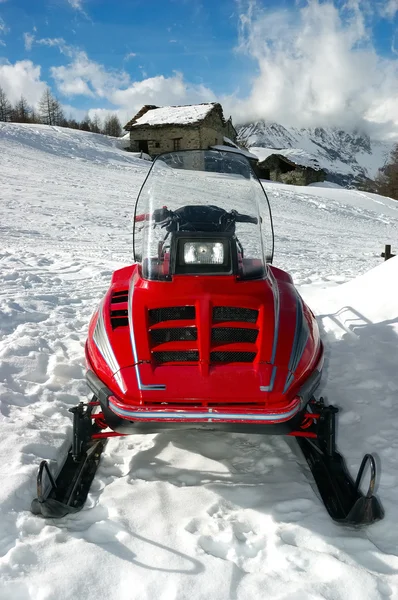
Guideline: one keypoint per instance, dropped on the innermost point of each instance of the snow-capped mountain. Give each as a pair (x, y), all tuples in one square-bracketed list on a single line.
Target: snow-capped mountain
[(347, 157)]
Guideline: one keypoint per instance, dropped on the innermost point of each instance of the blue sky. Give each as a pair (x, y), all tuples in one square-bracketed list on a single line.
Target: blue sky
[(116, 55)]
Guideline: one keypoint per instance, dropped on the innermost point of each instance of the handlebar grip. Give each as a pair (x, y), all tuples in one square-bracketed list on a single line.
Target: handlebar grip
[(158, 215), (246, 219)]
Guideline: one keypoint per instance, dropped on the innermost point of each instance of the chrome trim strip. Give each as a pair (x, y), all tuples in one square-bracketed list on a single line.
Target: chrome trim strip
[(270, 387), (275, 291), (141, 386), (299, 343), (208, 416), (288, 382), (104, 347)]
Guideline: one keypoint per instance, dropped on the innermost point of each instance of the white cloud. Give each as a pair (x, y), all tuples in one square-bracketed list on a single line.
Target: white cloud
[(390, 9), (3, 27), (316, 66), (64, 48), (160, 90), (22, 79), (29, 38), (130, 55), (86, 77), (76, 4)]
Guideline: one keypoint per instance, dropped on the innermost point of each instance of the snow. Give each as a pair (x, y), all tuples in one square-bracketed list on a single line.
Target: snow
[(175, 115), (181, 515), (229, 142)]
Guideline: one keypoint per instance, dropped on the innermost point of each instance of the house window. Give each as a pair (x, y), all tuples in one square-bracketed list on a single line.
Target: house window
[(157, 145), (177, 144), (216, 142)]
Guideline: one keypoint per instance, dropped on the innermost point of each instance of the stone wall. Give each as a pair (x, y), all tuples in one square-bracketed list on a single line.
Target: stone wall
[(280, 170), (161, 139), (210, 136), (230, 131)]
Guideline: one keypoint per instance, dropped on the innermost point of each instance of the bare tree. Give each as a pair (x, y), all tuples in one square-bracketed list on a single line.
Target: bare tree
[(95, 124), (5, 106), (21, 113), (112, 126), (50, 109)]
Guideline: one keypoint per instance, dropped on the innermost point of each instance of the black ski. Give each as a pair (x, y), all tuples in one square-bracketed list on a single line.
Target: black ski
[(68, 492), (342, 496)]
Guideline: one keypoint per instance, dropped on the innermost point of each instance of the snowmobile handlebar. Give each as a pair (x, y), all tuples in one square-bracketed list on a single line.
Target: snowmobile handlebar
[(164, 215)]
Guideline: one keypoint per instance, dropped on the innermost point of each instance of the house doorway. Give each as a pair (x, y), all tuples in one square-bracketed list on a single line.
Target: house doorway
[(143, 146)]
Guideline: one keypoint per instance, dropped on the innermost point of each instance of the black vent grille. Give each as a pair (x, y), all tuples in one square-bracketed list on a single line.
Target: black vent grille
[(171, 313), (231, 313), (176, 356), (245, 357), (234, 334), (119, 318), (174, 334), (119, 297)]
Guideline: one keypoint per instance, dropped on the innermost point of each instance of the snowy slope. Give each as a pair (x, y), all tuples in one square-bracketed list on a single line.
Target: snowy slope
[(346, 157), (184, 515)]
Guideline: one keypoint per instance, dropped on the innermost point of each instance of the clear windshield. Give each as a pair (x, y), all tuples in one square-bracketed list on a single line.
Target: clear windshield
[(204, 193)]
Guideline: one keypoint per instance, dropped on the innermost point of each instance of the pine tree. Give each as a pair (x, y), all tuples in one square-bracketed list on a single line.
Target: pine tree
[(85, 125), (72, 123), (5, 106), (387, 179), (112, 126), (50, 109), (21, 113)]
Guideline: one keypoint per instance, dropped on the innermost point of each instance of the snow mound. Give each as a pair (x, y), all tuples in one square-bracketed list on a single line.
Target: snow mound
[(373, 294), (64, 142), (325, 184)]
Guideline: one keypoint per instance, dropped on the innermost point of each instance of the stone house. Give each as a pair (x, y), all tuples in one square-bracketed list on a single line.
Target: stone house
[(293, 166), (154, 129)]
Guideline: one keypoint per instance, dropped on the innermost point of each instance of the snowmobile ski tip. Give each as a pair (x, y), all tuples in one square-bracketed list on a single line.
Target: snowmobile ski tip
[(68, 492), (341, 496)]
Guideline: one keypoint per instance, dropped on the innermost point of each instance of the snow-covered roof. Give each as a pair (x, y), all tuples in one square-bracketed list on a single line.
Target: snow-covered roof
[(229, 142), (294, 155), (235, 149), (171, 115)]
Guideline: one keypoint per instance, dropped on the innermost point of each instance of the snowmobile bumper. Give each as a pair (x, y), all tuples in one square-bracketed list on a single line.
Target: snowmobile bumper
[(127, 420)]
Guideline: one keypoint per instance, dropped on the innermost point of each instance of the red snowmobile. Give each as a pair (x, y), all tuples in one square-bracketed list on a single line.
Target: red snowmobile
[(202, 331)]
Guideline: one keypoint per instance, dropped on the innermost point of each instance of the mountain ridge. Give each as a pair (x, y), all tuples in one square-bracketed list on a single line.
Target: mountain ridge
[(348, 158)]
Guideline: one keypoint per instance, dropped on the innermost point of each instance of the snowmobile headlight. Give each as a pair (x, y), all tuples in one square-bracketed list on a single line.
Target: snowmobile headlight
[(203, 253)]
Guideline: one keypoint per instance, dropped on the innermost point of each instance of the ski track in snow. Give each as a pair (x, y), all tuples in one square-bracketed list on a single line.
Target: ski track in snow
[(181, 514)]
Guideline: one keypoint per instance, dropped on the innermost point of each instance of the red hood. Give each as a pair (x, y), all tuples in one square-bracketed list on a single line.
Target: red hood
[(231, 341)]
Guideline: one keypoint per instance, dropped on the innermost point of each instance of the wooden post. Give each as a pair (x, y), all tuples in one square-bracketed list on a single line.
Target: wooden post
[(387, 252)]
